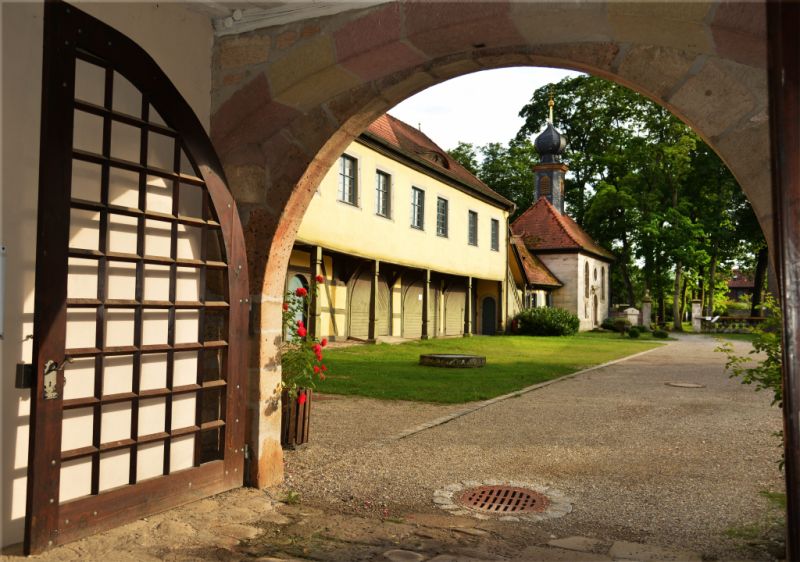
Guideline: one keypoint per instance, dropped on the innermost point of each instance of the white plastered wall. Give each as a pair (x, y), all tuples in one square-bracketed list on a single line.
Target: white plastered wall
[(180, 41)]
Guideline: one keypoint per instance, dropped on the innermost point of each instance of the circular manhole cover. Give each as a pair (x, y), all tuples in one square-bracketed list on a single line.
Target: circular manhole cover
[(503, 500), (685, 384)]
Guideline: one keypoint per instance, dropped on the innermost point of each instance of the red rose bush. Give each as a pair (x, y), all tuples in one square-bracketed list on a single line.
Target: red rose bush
[(301, 355)]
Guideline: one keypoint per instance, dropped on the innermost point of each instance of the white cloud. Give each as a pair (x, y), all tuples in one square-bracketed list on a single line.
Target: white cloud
[(479, 108)]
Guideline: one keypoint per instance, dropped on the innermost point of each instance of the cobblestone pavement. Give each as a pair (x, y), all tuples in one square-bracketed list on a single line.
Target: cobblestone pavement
[(651, 472)]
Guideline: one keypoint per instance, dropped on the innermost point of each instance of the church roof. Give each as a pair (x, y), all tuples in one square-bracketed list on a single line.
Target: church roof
[(414, 144), (536, 273), (543, 228)]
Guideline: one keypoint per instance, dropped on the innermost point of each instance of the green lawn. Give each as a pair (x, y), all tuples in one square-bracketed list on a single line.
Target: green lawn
[(392, 372)]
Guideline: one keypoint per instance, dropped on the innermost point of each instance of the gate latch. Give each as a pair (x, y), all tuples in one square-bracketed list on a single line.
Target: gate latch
[(50, 386)]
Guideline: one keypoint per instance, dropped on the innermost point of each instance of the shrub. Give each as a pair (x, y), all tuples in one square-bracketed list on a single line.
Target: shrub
[(633, 332), (621, 325), (546, 321), (660, 334), (608, 324)]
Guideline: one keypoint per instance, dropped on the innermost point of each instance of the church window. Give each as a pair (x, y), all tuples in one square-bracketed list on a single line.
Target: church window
[(586, 281), (603, 284), (348, 186)]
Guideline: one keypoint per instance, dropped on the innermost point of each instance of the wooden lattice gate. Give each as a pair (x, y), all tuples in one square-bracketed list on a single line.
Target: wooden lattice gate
[(141, 294)]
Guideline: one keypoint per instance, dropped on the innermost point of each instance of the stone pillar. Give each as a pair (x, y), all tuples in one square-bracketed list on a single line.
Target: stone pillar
[(373, 302), (468, 309), (647, 311), (315, 314), (502, 307), (426, 298), (697, 314)]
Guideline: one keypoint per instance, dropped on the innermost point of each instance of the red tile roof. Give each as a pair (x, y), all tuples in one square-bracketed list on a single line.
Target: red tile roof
[(740, 280), (535, 271), (414, 144), (542, 227)]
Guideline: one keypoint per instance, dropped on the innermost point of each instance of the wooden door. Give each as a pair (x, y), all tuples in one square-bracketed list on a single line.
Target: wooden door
[(383, 309), (412, 310), (488, 316), (358, 310), (454, 306), (141, 294)]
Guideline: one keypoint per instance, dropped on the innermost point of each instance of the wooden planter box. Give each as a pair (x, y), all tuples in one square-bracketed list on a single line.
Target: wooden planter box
[(294, 420)]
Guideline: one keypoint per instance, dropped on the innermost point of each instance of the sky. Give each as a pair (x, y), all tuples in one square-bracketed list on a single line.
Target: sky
[(478, 108)]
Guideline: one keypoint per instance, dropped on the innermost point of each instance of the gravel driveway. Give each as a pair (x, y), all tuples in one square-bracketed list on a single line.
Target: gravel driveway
[(639, 460)]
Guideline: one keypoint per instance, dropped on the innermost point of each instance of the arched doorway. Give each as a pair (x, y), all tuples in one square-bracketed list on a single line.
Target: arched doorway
[(360, 304), (709, 68), (412, 310), (297, 282), (455, 301), (488, 316)]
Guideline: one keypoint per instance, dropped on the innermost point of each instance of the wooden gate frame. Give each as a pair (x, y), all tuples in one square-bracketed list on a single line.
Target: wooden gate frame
[(783, 54), (67, 29)]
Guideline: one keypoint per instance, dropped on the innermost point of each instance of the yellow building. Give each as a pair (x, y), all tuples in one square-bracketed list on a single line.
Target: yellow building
[(409, 243)]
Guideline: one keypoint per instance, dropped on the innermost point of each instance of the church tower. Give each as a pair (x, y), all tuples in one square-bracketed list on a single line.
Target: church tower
[(549, 173)]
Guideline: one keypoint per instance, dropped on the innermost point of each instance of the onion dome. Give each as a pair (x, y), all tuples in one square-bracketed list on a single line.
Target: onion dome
[(550, 144)]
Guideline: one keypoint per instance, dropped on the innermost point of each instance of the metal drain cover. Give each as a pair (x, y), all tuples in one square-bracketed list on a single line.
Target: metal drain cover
[(685, 384), (503, 499)]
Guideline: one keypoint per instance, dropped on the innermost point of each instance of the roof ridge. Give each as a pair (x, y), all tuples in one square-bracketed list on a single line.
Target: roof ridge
[(561, 222)]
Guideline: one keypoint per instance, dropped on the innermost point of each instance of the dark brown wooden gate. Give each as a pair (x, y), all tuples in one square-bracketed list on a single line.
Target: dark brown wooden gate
[(141, 294)]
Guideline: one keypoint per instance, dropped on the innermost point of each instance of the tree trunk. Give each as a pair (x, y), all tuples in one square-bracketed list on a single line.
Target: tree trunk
[(712, 285), (761, 271), (676, 299), (626, 274), (701, 284), (683, 296)]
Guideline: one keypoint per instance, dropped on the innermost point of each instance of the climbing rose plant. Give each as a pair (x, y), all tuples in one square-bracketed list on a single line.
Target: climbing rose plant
[(302, 364)]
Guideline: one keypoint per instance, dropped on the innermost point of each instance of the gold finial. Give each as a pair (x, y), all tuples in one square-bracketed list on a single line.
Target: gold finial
[(551, 103)]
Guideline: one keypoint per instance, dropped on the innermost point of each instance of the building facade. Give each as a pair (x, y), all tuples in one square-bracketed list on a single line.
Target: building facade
[(408, 242)]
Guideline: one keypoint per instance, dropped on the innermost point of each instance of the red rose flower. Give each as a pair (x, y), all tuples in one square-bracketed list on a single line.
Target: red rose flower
[(324, 342), (320, 279), (301, 331), (301, 292), (285, 306), (317, 348), (316, 369), (323, 367), (301, 398), (300, 324)]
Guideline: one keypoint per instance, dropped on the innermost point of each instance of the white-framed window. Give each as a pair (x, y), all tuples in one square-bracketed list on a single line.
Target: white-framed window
[(383, 194), (586, 282), (348, 179), (442, 218), (495, 235), (603, 283), (472, 235), (417, 208)]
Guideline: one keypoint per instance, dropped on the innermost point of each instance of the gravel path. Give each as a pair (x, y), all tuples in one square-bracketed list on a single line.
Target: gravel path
[(641, 461)]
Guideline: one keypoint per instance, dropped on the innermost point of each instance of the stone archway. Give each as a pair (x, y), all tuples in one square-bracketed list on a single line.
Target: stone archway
[(288, 99)]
